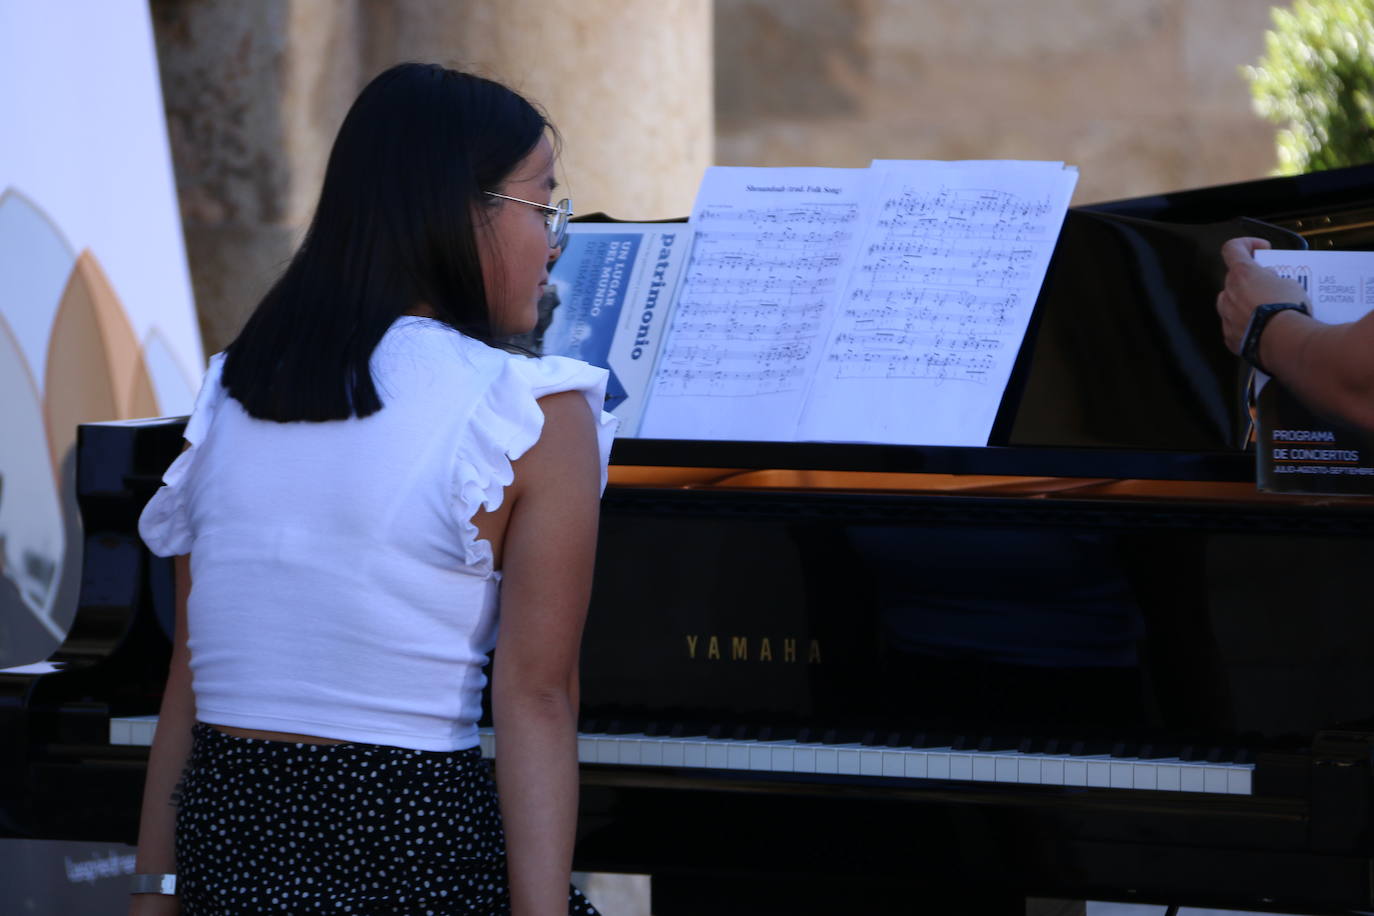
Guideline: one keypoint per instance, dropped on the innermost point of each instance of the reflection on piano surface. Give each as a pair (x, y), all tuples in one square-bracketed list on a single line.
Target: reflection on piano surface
[(1089, 660)]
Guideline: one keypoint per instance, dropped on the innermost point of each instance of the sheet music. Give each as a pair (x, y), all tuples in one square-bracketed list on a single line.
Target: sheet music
[(770, 257), (927, 331)]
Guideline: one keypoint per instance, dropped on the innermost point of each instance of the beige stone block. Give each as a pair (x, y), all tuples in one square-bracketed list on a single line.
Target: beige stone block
[(221, 77), (794, 59), (1012, 32), (1058, 59), (628, 84), (232, 267), (320, 77), (1218, 39)]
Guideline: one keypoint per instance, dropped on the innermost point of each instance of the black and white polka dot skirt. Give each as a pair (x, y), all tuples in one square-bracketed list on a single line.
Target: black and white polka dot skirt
[(272, 827)]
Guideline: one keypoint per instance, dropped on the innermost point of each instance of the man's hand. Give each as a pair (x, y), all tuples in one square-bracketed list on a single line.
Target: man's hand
[(1248, 286)]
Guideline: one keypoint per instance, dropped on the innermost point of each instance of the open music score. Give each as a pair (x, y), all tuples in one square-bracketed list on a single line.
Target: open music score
[(754, 306), (869, 305)]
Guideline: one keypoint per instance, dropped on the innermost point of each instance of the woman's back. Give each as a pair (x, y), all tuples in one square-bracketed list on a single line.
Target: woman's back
[(342, 590)]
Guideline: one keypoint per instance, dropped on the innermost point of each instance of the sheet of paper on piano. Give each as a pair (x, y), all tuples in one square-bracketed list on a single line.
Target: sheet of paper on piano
[(871, 305), (767, 265), (929, 326)]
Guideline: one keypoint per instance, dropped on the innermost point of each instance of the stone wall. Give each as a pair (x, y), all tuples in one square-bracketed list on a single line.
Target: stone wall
[(256, 91), (1142, 95)]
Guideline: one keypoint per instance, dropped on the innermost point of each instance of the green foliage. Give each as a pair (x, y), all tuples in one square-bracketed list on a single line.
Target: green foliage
[(1316, 81)]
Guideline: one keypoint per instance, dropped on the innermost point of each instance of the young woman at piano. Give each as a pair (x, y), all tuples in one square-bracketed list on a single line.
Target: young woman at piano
[(366, 469)]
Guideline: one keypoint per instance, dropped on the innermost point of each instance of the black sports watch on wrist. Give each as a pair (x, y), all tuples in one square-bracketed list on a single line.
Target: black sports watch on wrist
[(1259, 318)]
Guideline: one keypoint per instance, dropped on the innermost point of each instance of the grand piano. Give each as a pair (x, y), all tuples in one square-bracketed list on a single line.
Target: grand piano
[(1087, 661)]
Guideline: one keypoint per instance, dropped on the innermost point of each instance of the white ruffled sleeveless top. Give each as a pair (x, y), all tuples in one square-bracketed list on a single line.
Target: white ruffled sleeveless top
[(339, 587)]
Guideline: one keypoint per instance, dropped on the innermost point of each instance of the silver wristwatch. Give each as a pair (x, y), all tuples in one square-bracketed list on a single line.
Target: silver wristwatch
[(153, 884)]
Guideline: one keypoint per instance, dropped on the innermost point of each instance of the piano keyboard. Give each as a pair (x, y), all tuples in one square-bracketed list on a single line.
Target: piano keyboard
[(938, 764)]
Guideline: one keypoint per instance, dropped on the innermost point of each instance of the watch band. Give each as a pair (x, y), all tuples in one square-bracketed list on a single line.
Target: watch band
[(1259, 319), (153, 884)]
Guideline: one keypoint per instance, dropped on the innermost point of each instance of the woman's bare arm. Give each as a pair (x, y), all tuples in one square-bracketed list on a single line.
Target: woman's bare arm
[(550, 545), (166, 761)]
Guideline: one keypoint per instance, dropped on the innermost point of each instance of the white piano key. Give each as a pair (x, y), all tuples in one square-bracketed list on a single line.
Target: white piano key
[(894, 763), (1164, 775), (630, 750), (1075, 772), (917, 764), (607, 750), (674, 752), (1099, 774), (1052, 772), (871, 763)]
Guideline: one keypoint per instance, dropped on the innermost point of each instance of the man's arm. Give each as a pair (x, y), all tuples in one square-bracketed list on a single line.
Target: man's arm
[(550, 544), (1330, 367)]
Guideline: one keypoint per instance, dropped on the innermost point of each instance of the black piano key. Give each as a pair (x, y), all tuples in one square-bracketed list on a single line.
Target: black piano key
[(1220, 754), (1244, 755), (808, 735), (964, 742), (1053, 746), (624, 727), (842, 736), (1125, 750), (873, 739), (932, 739), (657, 729), (998, 742), (1191, 752), (778, 733), (1158, 750), (591, 727), (1090, 747)]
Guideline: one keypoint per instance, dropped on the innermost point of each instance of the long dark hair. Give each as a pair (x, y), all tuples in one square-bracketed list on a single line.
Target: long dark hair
[(394, 228)]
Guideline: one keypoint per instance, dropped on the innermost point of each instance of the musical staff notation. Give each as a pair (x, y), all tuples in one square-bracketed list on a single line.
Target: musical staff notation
[(886, 304)]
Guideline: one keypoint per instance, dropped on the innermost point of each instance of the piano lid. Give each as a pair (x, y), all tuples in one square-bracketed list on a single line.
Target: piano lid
[(1122, 373)]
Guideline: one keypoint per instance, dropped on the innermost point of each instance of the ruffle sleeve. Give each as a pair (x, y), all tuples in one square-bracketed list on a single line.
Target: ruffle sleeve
[(165, 524), (507, 421)]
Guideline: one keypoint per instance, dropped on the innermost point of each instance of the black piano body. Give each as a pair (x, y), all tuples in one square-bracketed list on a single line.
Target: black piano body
[(1100, 591)]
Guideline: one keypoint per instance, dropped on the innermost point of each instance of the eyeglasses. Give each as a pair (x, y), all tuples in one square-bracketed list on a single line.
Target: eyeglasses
[(555, 217)]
